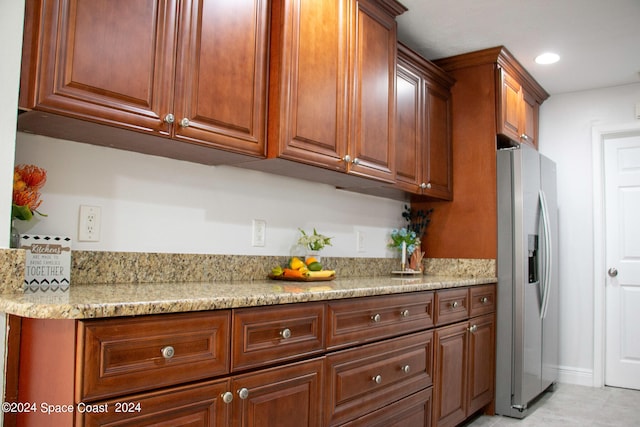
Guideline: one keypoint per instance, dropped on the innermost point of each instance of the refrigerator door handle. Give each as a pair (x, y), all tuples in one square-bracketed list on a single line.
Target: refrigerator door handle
[(546, 262)]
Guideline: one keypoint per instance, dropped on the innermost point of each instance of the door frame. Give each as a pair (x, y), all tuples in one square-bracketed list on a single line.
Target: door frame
[(599, 136)]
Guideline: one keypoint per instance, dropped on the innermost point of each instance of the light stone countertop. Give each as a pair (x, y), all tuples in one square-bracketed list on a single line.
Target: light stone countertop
[(131, 299)]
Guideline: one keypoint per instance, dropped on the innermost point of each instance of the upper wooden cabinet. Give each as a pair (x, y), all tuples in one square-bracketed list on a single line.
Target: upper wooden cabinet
[(467, 227), (517, 111), (332, 97), (192, 70), (423, 127)]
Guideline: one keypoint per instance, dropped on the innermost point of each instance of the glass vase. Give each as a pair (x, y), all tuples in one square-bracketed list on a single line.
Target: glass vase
[(14, 239)]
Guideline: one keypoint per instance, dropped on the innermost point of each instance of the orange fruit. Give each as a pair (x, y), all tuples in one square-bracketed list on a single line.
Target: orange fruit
[(310, 260)]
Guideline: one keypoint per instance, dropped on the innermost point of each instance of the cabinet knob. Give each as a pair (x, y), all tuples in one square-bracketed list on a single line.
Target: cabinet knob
[(376, 318), (356, 161), (406, 369), (423, 185), (377, 379), (243, 393), (347, 158), (524, 137), (473, 328), (167, 352), (227, 397), (428, 185), (484, 300), (285, 333), (454, 304), (169, 118), (184, 122), (404, 313)]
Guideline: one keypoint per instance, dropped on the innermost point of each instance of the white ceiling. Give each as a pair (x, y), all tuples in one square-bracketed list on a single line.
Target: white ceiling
[(598, 40)]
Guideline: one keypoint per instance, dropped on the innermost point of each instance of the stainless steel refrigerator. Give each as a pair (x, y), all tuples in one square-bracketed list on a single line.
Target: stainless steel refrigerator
[(527, 313)]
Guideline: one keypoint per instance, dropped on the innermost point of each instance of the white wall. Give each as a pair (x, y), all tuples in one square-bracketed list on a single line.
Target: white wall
[(566, 123), (11, 20), (154, 204)]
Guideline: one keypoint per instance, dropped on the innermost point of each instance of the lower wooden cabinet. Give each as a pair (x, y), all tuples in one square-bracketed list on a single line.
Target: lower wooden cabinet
[(266, 366), (363, 379), (199, 405), (283, 396), (464, 369)]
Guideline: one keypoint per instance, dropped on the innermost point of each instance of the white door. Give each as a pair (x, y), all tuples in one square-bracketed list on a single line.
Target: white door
[(622, 212)]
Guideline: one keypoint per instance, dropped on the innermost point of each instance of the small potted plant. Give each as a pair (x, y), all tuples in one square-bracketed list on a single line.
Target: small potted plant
[(314, 243), (408, 239)]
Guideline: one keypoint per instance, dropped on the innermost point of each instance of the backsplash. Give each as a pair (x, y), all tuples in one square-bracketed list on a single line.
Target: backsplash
[(97, 267)]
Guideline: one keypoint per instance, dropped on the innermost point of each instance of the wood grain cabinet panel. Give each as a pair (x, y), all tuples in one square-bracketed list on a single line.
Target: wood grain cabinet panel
[(198, 405), (332, 89), (451, 367), (413, 411), (192, 70), (267, 335), (452, 305), (361, 380), (482, 300), (361, 320), (284, 396), (127, 355), (482, 358), (423, 127)]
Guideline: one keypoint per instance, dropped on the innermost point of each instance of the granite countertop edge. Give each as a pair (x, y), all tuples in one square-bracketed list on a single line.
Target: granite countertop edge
[(115, 300)]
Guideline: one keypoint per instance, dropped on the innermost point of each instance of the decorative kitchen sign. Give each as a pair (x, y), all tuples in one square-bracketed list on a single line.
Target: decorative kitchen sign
[(48, 263)]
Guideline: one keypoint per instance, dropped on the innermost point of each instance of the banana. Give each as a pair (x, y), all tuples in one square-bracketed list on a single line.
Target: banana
[(322, 273)]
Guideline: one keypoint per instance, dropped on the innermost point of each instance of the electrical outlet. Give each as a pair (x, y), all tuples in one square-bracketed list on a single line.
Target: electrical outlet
[(259, 231), (89, 224), (360, 241)]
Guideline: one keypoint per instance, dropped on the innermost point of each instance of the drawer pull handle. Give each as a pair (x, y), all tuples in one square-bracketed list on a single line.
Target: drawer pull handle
[(377, 379), (243, 393), (285, 333), (168, 352), (404, 313), (484, 300), (376, 318), (227, 397), (454, 304), (473, 328), (406, 369)]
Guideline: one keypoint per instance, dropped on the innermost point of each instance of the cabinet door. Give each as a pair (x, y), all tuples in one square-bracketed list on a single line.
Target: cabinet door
[(481, 361), (510, 113), (221, 76), (199, 405), (530, 109), (409, 126), (103, 62), (285, 396), (372, 139), (450, 375), (308, 71), (437, 160)]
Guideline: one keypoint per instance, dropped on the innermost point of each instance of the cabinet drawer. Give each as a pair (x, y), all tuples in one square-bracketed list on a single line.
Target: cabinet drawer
[(483, 300), (121, 356), (363, 379), (414, 410), (452, 305), (264, 335), (192, 405), (361, 320)]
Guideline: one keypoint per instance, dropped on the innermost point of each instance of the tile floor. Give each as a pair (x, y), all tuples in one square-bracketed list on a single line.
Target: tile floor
[(576, 406)]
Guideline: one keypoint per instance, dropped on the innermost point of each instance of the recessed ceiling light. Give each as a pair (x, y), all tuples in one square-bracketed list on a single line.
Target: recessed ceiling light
[(547, 58)]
